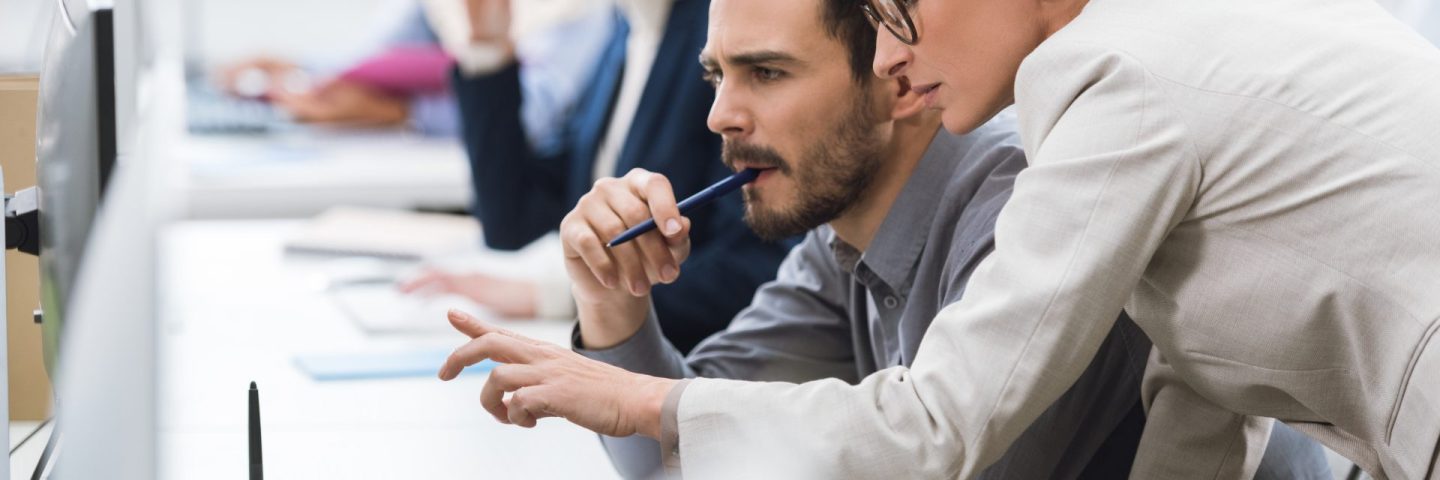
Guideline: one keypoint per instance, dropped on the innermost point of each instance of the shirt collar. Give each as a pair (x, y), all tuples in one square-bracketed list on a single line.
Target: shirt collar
[(896, 248), (645, 17)]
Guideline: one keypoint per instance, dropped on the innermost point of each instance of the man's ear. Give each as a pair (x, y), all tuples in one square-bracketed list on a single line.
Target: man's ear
[(907, 102)]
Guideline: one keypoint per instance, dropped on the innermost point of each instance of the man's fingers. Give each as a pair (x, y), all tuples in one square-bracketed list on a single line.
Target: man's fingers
[(660, 197), (680, 250), (590, 246), (632, 268), (474, 327), (654, 260), (626, 271), (506, 378), (499, 347), (528, 404), (660, 264), (626, 205), (680, 246)]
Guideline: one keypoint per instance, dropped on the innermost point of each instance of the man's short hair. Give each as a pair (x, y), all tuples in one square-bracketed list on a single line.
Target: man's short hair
[(844, 21)]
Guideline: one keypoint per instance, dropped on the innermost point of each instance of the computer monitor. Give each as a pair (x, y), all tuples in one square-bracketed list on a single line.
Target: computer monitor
[(75, 150), (106, 388)]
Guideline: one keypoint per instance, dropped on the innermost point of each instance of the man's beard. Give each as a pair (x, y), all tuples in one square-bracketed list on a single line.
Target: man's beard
[(838, 169)]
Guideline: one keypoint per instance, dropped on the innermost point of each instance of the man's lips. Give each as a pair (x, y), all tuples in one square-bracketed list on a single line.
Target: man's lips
[(741, 166), (765, 172)]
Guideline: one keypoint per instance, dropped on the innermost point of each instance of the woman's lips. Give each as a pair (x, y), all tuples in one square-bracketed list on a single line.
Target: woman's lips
[(928, 93)]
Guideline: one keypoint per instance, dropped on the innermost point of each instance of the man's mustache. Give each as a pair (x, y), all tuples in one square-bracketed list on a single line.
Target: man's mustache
[(753, 156)]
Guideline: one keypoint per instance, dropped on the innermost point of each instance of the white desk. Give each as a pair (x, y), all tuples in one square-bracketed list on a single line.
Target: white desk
[(234, 308), (302, 173)]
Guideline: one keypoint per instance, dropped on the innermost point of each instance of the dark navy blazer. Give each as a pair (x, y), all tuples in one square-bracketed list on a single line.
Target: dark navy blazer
[(521, 195)]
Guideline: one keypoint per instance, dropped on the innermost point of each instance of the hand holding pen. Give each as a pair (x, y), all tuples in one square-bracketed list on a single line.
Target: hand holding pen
[(607, 211), (613, 269)]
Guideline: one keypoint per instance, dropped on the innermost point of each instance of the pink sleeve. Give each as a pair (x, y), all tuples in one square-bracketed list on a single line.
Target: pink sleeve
[(404, 70)]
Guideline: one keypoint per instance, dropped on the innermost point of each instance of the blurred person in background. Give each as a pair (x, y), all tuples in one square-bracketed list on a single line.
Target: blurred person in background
[(404, 81)]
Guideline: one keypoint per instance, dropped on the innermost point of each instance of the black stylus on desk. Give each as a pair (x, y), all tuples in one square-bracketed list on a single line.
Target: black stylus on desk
[(257, 466)]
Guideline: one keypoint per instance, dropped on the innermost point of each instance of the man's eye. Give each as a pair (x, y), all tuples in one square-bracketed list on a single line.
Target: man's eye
[(767, 74), (713, 78)]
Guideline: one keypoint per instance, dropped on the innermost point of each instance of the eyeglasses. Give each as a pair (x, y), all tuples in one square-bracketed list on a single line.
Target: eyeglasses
[(895, 15)]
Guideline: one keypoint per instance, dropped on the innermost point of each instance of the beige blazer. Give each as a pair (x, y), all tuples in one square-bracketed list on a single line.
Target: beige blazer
[(1256, 181)]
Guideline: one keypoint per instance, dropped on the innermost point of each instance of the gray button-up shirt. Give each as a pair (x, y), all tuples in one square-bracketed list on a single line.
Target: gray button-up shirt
[(834, 311)]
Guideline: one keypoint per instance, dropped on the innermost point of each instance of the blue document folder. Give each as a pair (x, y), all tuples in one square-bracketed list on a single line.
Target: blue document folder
[(388, 364)]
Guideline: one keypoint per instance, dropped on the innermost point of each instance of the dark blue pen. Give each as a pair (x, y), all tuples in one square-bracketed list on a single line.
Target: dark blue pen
[(709, 194)]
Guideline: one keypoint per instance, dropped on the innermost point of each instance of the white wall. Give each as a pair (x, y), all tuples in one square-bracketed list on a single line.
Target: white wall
[(23, 28), (312, 31)]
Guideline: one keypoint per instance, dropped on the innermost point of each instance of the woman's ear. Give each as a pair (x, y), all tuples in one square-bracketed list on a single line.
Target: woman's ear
[(907, 102)]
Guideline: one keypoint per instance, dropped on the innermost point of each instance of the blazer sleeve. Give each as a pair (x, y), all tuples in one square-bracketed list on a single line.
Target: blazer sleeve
[(1111, 175), (519, 195), (1214, 442)]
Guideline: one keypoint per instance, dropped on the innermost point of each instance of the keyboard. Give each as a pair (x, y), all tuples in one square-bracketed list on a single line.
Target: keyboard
[(210, 111)]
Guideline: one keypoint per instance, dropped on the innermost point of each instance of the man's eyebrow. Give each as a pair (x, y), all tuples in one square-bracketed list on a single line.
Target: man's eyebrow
[(759, 57)]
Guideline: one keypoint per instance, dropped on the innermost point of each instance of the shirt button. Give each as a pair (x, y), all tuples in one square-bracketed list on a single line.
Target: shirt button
[(891, 302)]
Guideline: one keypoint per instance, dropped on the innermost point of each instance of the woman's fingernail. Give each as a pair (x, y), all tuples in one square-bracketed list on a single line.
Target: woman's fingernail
[(668, 273), (672, 227)]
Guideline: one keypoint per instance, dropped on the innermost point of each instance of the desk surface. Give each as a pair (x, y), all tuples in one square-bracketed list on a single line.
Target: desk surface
[(235, 308)]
